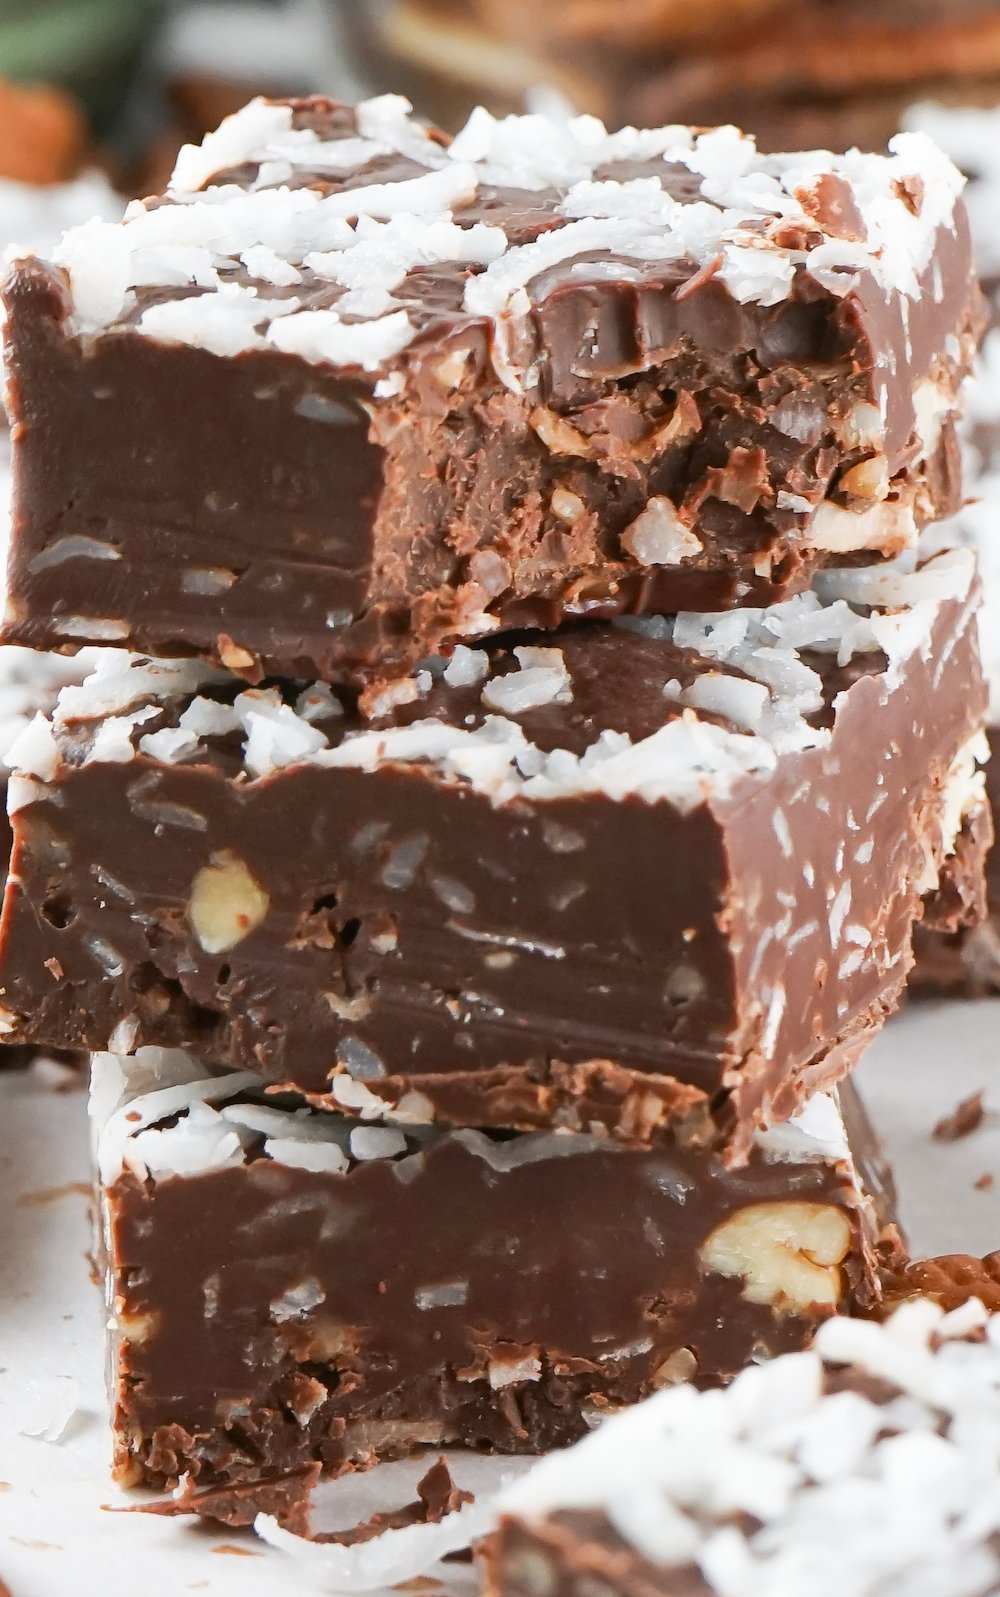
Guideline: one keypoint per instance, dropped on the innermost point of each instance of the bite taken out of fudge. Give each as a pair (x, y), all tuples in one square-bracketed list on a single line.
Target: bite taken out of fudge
[(287, 1288), (653, 879), (348, 393)]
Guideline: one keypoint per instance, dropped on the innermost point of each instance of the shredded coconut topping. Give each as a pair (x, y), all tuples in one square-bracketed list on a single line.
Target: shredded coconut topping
[(282, 230), (762, 688), (779, 1485), (210, 1126)]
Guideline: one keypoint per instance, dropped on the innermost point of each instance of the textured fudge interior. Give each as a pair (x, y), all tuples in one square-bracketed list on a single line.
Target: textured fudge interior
[(289, 1286)]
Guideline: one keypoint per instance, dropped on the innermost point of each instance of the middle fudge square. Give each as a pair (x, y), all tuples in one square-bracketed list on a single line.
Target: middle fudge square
[(653, 879), (350, 392)]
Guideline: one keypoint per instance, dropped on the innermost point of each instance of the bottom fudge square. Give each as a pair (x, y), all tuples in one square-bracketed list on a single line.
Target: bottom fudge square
[(290, 1288), (869, 1465), (634, 879)]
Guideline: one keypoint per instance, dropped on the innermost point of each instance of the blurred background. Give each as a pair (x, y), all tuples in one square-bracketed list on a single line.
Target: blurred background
[(116, 85)]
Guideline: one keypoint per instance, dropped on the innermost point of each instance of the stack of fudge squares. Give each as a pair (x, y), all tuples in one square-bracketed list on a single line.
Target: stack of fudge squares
[(531, 734)]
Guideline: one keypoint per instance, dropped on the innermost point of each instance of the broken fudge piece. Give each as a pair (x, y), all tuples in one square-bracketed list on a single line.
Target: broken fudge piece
[(348, 393), (643, 876), (290, 1287), (868, 1465), (950, 1279)]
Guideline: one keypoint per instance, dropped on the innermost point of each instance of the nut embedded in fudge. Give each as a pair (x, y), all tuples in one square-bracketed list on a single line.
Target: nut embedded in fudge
[(866, 1466), (348, 393), (289, 1287), (650, 876)]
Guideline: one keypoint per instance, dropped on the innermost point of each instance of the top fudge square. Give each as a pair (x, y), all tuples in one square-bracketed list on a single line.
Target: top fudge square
[(350, 392)]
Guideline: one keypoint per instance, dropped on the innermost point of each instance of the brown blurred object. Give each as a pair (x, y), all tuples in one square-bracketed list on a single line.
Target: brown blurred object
[(450, 55), (798, 73), (836, 72), (950, 1280), (632, 23), (43, 134)]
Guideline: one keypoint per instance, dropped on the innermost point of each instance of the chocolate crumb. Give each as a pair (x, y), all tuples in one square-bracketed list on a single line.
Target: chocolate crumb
[(287, 1499), (439, 1494), (963, 1120), (437, 1497), (984, 1182)]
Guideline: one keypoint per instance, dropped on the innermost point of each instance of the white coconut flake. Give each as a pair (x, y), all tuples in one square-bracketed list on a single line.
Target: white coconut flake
[(816, 1133), (376, 1142), (35, 752), (322, 337), (275, 735), (204, 1138), (172, 745), (467, 667), (541, 678), (241, 138), (118, 682), (658, 537), (318, 703), (43, 1406), (776, 1485), (209, 718), (225, 323), (387, 1560), (113, 742), (76, 546), (319, 1157)]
